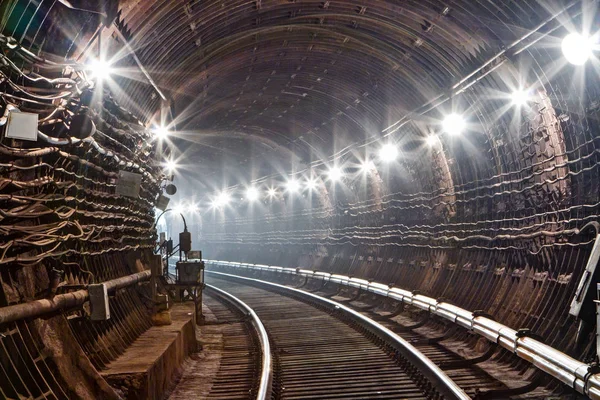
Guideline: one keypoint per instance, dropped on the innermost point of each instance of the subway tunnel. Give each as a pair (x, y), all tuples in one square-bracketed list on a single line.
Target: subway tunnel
[(299, 199)]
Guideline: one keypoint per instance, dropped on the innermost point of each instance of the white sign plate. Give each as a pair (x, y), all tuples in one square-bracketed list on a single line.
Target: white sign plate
[(128, 184), (23, 126)]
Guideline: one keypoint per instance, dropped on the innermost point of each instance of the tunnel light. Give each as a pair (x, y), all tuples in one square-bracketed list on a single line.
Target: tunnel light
[(454, 124), (252, 194), (432, 140), (367, 166), (99, 69), (192, 208), (292, 185), (170, 166), (161, 132), (335, 174), (520, 97), (272, 192), (179, 209), (221, 200), (388, 152), (577, 48), (311, 184)]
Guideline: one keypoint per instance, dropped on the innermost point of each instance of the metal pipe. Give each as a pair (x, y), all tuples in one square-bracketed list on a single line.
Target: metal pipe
[(266, 375), (37, 308), (568, 370)]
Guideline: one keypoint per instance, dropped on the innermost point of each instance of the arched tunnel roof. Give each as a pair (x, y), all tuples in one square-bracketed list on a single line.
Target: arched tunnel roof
[(314, 77)]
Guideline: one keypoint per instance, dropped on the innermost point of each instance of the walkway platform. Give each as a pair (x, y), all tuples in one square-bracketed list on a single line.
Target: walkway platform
[(144, 371)]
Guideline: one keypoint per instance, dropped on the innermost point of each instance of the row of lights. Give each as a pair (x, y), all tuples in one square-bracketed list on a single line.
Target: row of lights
[(576, 48), (453, 124)]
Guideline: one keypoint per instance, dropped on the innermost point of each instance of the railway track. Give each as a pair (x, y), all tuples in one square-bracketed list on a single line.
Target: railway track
[(230, 365), (483, 369), (321, 351)]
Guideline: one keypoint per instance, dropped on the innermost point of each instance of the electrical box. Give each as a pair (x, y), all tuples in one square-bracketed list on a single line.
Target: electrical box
[(195, 255), (190, 272), (129, 184), (99, 302), (22, 126), (163, 202), (185, 241)]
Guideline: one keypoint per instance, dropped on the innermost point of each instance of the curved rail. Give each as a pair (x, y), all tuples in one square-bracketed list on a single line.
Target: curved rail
[(438, 377), (266, 375), (580, 376)]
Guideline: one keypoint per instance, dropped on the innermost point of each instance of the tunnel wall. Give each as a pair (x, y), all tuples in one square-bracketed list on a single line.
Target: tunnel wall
[(502, 222), (63, 224)]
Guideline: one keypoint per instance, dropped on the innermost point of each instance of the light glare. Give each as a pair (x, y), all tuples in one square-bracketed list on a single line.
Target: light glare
[(221, 200), (454, 124), (252, 194), (170, 165), (367, 166), (388, 152), (99, 69), (520, 97), (432, 140), (293, 185), (311, 184), (272, 192), (577, 48), (161, 132), (335, 174), (178, 208)]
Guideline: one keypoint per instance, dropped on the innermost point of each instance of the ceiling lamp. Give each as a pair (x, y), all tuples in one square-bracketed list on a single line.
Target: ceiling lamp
[(221, 200), (293, 185), (272, 192), (311, 184), (252, 194), (520, 97), (161, 132), (388, 152), (335, 174), (367, 166), (192, 208), (577, 48), (100, 69), (454, 124), (170, 166), (432, 140)]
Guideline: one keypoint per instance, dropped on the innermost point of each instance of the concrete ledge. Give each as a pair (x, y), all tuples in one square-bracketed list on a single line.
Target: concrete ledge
[(144, 371)]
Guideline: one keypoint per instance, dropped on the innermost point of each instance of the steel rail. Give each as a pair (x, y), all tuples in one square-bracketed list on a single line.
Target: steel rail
[(578, 375), (37, 308), (266, 375), (441, 381)]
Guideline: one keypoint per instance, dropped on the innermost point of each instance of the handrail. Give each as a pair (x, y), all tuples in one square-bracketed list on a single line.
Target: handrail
[(578, 375), (266, 375), (37, 308), (442, 382)]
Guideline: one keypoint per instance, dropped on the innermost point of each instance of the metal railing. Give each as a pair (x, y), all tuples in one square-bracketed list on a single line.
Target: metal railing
[(38, 308), (578, 375), (266, 374), (441, 381)]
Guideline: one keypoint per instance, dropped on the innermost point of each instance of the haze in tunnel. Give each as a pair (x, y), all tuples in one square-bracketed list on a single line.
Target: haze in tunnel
[(446, 148)]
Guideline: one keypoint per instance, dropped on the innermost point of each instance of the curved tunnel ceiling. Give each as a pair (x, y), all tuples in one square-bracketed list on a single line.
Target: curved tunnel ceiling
[(260, 80)]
